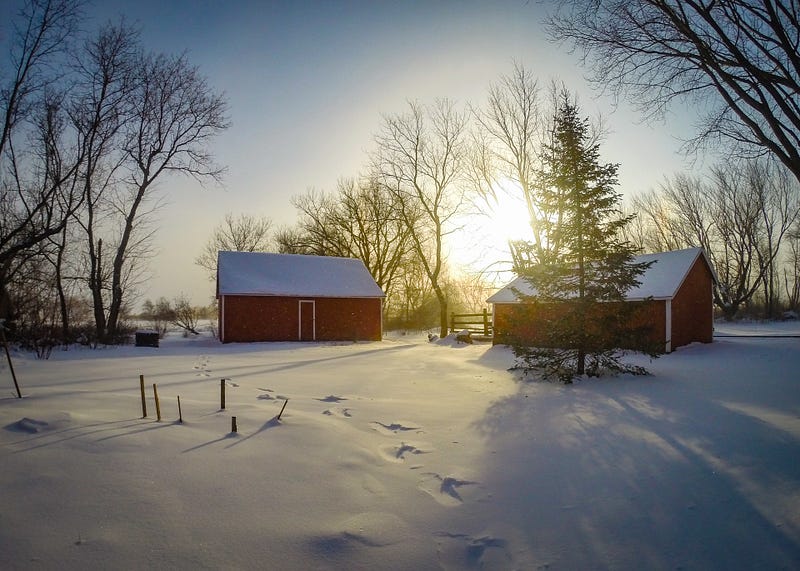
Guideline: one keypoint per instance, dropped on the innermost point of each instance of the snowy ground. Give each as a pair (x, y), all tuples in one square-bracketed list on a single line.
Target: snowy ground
[(401, 454)]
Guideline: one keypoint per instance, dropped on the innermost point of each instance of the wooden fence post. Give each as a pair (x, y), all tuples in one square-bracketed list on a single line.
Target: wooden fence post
[(180, 415), (283, 407), (222, 394), (158, 406), (144, 402), (485, 322), (234, 428)]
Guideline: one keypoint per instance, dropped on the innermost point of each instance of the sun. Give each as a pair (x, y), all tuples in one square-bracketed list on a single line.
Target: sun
[(481, 240)]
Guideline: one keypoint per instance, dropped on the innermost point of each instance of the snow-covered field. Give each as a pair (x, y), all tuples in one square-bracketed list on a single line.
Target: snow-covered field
[(401, 454)]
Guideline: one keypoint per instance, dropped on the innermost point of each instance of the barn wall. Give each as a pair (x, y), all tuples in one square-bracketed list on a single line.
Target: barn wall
[(527, 322), (265, 318), (692, 318)]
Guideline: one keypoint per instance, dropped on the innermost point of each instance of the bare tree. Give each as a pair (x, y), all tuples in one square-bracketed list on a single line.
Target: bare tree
[(185, 315), (791, 270), (39, 38), (736, 59), (36, 197), (740, 216), (380, 238), (99, 110), (358, 220), (83, 141), (421, 159), (656, 225), (509, 140), (515, 133), (243, 233), (318, 231), (174, 114), (778, 199)]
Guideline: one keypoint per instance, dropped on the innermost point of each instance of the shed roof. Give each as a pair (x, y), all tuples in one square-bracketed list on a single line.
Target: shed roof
[(259, 273), (660, 281)]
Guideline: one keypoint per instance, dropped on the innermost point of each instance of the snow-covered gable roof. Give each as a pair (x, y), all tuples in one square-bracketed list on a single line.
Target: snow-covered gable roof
[(258, 273), (661, 280)]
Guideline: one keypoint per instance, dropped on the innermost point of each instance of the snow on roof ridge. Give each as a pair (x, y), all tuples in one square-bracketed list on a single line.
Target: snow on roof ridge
[(273, 274), (660, 281)]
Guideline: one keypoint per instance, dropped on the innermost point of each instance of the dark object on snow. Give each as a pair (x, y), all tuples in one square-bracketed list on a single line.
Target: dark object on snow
[(147, 338), (464, 336), (432, 337), (282, 409)]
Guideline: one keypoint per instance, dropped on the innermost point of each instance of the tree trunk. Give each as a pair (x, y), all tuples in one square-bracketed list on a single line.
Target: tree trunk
[(443, 322), (119, 260), (62, 296), (96, 287)]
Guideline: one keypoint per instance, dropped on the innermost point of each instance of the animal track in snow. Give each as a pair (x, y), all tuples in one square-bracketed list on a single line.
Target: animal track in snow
[(337, 411), (399, 453), (394, 428), (444, 490), (332, 398), (201, 366), (267, 394), (462, 551)]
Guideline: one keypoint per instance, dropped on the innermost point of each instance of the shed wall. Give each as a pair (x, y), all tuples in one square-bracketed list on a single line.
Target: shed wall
[(267, 318), (527, 322), (692, 307)]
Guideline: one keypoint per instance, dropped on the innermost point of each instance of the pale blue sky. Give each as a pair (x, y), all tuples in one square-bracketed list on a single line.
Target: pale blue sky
[(307, 83)]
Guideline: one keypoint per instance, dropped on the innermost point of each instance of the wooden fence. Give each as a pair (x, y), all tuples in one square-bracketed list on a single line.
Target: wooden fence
[(479, 323)]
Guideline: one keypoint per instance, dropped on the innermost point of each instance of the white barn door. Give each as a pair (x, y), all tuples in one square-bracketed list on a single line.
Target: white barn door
[(307, 320)]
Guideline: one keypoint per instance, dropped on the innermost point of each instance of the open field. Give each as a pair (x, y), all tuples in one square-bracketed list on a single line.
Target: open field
[(400, 454)]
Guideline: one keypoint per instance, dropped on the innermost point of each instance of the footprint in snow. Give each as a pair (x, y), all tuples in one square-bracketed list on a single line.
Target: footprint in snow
[(445, 490), (394, 428), (343, 412), (462, 551), (332, 398), (202, 367), (399, 453), (266, 396)]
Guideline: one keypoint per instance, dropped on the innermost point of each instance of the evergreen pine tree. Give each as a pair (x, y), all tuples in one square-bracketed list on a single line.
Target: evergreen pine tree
[(581, 279)]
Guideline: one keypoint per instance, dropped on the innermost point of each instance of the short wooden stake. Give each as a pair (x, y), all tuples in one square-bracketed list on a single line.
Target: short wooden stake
[(283, 407), (234, 428), (180, 416), (222, 394), (158, 406), (144, 402)]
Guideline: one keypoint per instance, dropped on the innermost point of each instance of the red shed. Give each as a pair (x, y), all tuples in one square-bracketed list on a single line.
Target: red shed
[(287, 297), (675, 293)]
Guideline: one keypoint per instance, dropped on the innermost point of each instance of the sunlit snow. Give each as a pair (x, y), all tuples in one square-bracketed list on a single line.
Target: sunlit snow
[(400, 454)]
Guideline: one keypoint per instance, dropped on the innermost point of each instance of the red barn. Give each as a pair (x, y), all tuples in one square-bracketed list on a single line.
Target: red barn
[(675, 294), (287, 297)]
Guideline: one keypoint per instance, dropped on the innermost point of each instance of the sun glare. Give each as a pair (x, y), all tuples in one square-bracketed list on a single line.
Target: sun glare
[(481, 242)]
